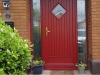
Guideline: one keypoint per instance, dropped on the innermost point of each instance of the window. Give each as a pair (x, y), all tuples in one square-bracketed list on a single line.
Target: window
[(82, 52)]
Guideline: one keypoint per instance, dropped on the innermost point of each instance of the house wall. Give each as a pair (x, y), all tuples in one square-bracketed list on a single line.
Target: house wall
[(94, 35), (20, 15)]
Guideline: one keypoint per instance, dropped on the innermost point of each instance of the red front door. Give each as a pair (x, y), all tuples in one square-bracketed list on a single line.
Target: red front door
[(59, 33)]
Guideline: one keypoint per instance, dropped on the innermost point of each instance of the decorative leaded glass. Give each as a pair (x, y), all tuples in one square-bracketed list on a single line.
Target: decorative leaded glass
[(36, 29), (58, 11), (81, 14)]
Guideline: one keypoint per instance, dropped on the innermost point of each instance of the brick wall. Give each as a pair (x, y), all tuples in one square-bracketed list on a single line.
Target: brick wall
[(94, 36), (20, 15), (94, 29)]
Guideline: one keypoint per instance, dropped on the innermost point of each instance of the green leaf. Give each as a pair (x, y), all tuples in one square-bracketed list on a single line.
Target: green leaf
[(2, 72)]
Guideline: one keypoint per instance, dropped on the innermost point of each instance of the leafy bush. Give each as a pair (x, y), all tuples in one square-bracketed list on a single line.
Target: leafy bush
[(15, 54)]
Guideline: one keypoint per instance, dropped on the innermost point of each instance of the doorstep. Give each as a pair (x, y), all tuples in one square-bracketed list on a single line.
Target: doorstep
[(47, 72)]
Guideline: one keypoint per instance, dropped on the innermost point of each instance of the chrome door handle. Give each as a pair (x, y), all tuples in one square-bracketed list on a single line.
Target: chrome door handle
[(47, 31)]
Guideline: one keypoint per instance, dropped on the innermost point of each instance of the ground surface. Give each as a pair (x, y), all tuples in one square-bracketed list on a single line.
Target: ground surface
[(62, 72)]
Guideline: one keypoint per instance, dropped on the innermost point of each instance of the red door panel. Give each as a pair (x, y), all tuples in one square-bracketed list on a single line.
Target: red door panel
[(59, 44)]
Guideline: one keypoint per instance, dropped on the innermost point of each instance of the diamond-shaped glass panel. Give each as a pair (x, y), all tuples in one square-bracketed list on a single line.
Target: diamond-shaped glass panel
[(58, 11)]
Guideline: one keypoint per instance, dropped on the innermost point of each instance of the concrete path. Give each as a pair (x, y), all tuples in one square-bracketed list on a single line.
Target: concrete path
[(47, 72)]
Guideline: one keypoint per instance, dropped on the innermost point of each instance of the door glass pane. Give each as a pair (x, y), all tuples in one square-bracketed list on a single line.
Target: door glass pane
[(36, 28), (82, 55), (58, 11)]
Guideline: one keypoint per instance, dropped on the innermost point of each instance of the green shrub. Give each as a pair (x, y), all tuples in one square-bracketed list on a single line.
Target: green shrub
[(15, 54)]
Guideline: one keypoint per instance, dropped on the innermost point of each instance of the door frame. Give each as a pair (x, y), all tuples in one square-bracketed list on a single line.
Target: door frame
[(31, 27)]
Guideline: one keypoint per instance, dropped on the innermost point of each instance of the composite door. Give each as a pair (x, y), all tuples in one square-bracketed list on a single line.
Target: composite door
[(59, 33)]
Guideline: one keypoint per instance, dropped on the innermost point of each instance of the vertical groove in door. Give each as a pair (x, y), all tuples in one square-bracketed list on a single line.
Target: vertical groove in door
[(53, 31), (61, 50), (73, 25), (50, 37), (65, 27), (69, 18), (63, 30), (46, 25), (70, 27), (52, 44), (60, 37)]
